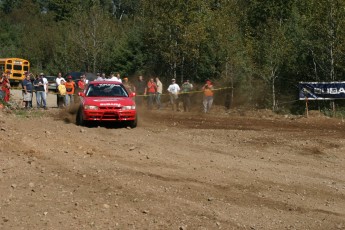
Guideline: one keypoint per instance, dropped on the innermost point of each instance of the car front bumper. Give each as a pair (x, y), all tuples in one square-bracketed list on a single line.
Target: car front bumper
[(110, 115)]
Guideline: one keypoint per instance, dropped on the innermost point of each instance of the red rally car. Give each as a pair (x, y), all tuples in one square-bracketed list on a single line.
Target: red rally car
[(106, 101)]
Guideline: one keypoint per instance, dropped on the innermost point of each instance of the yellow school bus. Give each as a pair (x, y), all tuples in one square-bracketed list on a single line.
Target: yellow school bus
[(16, 66)]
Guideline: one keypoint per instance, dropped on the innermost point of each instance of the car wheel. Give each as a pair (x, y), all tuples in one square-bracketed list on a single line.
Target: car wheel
[(134, 123), (80, 118)]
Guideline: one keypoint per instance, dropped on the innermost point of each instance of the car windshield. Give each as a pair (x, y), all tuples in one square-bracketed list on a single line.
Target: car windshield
[(106, 90), (50, 78)]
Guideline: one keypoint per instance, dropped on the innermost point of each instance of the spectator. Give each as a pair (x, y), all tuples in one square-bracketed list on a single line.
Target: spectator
[(187, 87), (2, 93), (159, 92), (173, 90), (58, 80), (129, 87), (99, 78), (208, 96), (140, 90), (119, 77), (5, 86), (70, 87), (62, 94), (151, 90), (27, 91), (45, 84), (104, 78), (82, 82), (40, 92), (114, 78)]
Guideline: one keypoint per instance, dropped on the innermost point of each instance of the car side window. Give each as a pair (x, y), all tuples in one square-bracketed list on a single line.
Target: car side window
[(90, 91)]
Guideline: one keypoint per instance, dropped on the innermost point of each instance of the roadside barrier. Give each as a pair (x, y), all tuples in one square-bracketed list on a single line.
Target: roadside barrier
[(191, 92), (141, 95)]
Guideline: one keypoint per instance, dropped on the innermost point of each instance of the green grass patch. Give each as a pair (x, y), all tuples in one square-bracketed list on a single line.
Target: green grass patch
[(22, 113)]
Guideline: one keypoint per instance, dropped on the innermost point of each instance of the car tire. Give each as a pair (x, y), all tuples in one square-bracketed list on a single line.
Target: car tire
[(80, 118), (134, 123)]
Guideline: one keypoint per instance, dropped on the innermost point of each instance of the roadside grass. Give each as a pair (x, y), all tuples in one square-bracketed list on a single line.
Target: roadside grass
[(21, 113)]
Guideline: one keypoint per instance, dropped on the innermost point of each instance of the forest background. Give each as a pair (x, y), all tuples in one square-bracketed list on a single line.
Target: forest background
[(259, 48)]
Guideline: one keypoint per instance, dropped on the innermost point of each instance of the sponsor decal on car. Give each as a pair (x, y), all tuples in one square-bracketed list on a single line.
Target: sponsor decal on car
[(112, 104), (107, 99)]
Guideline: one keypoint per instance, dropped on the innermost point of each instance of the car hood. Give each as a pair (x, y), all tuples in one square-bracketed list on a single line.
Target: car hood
[(108, 101)]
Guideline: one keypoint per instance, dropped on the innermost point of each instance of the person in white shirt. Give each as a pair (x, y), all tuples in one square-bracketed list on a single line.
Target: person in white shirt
[(173, 90), (45, 85), (58, 79), (114, 78), (119, 77), (99, 78)]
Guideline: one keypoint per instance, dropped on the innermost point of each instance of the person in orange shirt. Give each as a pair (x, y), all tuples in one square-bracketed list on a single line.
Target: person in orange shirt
[(70, 87), (208, 96), (151, 90)]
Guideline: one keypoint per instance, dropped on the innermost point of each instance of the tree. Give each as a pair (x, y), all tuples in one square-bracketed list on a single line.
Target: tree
[(88, 33), (175, 31), (268, 29), (230, 48)]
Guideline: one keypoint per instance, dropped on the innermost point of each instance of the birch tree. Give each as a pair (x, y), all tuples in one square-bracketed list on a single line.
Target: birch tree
[(89, 33)]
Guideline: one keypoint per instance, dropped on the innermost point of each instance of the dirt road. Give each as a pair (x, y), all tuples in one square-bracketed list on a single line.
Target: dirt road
[(174, 171)]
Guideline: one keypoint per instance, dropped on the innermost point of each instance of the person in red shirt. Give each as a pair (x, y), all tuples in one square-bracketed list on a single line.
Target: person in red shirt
[(83, 82), (70, 87), (151, 91), (5, 86)]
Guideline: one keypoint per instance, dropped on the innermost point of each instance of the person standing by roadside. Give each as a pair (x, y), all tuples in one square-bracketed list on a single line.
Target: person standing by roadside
[(151, 90), (99, 78), (5, 86), (82, 82), (187, 87), (173, 90), (140, 90), (58, 82), (40, 92), (159, 93), (208, 96), (2, 93), (62, 94), (104, 78), (114, 78), (118, 76), (45, 83), (128, 85), (27, 91), (70, 87)]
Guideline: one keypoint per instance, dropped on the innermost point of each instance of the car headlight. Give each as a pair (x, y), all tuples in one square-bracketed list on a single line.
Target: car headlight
[(90, 107), (128, 107)]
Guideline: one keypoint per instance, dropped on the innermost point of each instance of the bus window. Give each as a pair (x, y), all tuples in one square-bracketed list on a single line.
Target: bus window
[(8, 66), (26, 68), (17, 67)]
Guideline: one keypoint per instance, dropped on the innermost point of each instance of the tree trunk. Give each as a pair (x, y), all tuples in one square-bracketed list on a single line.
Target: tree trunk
[(273, 92), (182, 70), (231, 81)]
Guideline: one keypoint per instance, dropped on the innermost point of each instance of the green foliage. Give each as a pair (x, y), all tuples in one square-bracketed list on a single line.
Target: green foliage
[(261, 48)]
